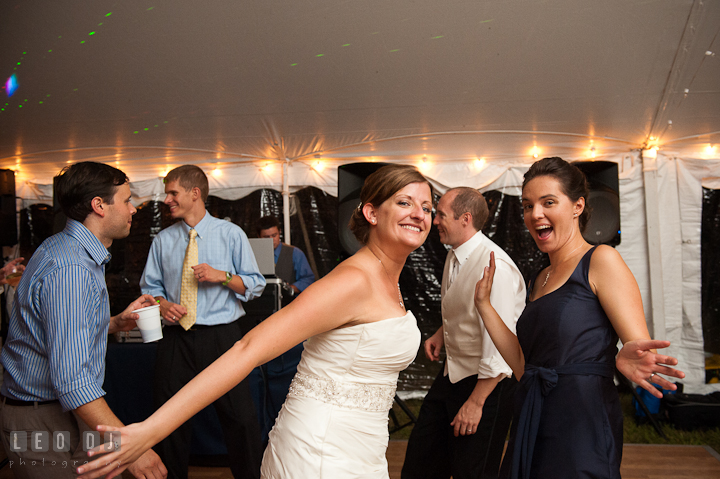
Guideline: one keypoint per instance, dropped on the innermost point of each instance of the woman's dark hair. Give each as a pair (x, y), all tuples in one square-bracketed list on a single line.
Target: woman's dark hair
[(79, 183), (378, 187), (572, 181)]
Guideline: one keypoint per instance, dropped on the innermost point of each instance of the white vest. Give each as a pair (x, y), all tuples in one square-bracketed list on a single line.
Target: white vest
[(463, 328)]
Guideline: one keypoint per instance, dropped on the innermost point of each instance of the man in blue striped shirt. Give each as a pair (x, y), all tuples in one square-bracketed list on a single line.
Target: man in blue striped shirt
[(226, 274), (54, 358)]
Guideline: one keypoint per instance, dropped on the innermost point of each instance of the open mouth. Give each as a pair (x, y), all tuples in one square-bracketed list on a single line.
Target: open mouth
[(411, 228), (544, 231)]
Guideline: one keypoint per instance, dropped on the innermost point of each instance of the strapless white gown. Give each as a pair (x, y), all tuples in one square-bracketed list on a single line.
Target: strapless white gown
[(334, 423)]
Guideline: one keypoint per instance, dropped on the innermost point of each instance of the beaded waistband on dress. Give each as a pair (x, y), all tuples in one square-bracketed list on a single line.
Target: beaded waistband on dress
[(368, 397)]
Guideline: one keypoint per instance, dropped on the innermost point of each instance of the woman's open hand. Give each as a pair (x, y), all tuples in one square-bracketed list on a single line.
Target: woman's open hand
[(638, 362), (484, 286)]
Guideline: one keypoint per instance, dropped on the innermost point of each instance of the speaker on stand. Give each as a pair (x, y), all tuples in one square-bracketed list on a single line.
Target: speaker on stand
[(351, 178), (604, 200)]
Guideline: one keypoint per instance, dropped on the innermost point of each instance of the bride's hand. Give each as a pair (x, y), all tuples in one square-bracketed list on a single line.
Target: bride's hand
[(127, 445), (639, 363)]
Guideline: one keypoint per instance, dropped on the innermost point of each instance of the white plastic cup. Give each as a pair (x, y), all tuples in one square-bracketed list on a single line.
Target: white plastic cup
[(149, 323)]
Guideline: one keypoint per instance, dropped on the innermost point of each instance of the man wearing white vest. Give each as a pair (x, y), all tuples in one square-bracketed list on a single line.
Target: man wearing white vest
[(464, 419)]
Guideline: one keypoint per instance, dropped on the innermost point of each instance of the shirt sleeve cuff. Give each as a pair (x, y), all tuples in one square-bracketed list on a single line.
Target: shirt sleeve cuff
[(493, 367), (253, 288), (82, 395), (154, 292)]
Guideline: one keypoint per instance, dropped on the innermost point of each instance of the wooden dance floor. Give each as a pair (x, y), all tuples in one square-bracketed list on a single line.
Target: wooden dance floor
[(640, 461)]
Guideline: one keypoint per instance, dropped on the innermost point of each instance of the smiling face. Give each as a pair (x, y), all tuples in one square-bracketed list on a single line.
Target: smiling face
[(405, 217), (453, 231), (179, 199), (550, 215)]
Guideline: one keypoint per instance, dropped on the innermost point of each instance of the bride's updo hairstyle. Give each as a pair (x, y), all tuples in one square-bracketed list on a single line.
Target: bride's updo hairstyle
[(572, 181), (378, 187)]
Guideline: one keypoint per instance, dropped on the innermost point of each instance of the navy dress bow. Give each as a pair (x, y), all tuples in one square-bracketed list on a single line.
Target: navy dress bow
[(539, 382)]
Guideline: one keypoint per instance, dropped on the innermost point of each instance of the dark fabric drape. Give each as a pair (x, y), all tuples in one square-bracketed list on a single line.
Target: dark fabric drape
[(710, 270)]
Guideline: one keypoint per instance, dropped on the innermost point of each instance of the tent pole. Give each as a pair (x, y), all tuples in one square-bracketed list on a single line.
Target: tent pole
[(652, 215), (286, 203)]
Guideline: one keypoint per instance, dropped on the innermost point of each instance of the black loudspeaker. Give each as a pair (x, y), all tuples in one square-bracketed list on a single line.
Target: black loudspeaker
[(351, 178), (604, 200), (8, 209)]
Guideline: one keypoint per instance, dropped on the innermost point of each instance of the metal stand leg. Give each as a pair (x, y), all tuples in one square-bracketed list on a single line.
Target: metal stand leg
[(640, 401), (406, 410)]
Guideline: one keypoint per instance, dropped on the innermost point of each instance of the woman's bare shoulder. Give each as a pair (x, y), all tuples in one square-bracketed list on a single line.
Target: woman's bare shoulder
[(349, 275), (605, 257)]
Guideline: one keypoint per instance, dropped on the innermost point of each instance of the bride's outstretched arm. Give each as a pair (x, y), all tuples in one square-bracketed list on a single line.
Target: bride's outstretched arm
[(505, 340), (325, 305)]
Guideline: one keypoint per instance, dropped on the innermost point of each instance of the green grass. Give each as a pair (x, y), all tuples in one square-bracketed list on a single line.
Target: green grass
[(634, 433)]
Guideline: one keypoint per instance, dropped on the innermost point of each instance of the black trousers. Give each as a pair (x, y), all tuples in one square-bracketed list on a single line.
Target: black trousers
[(433, 451), (181, 355)]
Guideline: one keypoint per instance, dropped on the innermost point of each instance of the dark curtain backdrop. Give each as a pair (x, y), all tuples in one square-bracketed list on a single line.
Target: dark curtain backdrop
[(710, 261), (313, 223)]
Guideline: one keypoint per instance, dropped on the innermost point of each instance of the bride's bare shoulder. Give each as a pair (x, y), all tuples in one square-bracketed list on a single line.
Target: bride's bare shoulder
[(351, 272)]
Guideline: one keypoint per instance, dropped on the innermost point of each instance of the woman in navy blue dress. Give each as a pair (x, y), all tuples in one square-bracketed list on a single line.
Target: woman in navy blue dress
[(568, 421)]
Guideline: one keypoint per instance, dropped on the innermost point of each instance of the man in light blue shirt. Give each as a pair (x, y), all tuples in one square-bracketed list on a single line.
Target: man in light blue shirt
[(54, 357), (226, 274)]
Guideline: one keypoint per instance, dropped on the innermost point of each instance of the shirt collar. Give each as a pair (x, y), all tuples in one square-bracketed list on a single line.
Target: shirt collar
[(463, 252), (97, 251), (201, 228)]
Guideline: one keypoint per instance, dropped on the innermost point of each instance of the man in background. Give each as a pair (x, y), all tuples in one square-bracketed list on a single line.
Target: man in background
[(54, 358), (200, 269), (464, 419), (291, 264), (270, 383)]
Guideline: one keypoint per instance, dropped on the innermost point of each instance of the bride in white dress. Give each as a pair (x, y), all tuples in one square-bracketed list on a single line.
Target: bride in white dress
[(333, 424)]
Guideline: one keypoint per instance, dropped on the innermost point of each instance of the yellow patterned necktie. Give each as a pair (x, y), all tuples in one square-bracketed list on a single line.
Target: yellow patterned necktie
[(189, 287)]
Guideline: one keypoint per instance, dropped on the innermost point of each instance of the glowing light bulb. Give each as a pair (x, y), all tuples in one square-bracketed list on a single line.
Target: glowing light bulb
[(318, 166), (592, 152), (217, 172), (710, 151), (535, 152), (424, 165), (650, 153), (479, 163), (267, 168)]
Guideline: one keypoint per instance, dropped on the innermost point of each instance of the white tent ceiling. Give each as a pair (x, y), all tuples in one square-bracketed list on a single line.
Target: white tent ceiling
[(153, 84)]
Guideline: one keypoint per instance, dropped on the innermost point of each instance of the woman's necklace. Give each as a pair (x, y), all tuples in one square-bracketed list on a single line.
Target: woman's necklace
[(402, 305), (550, 270)]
